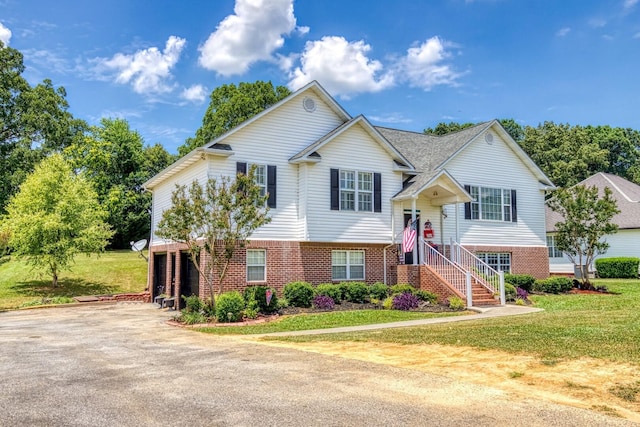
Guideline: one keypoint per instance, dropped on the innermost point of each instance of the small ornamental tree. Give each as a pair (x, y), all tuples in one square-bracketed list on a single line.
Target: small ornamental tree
[(54, 216), (217, 218), (587, 219)]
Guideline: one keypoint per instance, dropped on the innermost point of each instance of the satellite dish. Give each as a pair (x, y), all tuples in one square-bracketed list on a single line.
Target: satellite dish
[(139, 246)]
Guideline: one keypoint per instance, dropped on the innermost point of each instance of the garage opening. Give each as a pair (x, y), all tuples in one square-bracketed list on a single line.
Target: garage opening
[(189, 278), (159, 274)]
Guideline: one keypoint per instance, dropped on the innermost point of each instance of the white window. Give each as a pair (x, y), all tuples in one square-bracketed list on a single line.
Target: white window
[(347, 265), (256, 265), (493, 204), (499, 261), (551, 245), (261, 178), (356, 186)]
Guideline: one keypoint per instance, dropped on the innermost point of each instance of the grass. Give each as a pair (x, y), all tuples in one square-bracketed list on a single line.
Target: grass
[(335, 319), (602, 326), (112, 272)]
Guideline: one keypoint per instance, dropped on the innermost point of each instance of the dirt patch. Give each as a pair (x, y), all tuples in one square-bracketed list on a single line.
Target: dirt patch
[(583, 383)]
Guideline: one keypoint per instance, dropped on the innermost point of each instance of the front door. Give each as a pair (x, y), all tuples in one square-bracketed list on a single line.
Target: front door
[(408, 256)]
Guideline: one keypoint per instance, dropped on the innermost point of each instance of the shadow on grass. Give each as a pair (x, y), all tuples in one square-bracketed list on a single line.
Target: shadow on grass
[(66, 287)]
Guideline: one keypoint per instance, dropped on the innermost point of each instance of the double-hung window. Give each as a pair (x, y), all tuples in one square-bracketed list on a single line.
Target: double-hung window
[(347, 265), (356, 191), (491, 204), (256, 265), (499, 261), (554, 252), (265, 178)]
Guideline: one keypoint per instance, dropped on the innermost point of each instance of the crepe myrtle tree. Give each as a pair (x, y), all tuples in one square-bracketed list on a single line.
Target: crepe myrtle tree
[(217, 218), (587, 219)]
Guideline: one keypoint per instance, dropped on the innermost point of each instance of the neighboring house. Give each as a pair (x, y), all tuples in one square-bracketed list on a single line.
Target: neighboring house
[(626, 242), (341, 192)]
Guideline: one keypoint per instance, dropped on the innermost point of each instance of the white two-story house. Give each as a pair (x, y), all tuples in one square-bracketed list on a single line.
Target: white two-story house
[(341, 192)]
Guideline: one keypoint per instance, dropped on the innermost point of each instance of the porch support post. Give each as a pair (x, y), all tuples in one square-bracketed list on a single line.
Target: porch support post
[(503, 298), (469, 295), (413, 220)]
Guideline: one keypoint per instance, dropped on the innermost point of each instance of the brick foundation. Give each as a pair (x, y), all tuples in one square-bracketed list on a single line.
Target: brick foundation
[(524, 259)]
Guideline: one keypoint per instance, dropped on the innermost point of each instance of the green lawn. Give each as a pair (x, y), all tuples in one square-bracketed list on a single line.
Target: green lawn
[(335, 319), (572, 326), (112, 272)]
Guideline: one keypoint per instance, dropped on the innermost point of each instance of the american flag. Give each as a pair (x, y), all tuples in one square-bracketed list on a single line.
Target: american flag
[(409, 237)]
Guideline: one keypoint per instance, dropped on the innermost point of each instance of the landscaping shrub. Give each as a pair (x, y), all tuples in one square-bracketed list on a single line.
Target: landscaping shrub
[(192, 304), (387, 304), (356, 292), (554, 285), (524, 281), (509, 292), (259, 295), (299, 294), (402, 288), (521, 294), (405, 301), (456, 303), (427, 296), (330, 290), (323, 302), (618, 268), (192, 317), (378, 291), (229, 307)]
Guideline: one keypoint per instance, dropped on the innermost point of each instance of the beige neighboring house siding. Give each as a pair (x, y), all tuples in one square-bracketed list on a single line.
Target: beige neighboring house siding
[(495, 165)]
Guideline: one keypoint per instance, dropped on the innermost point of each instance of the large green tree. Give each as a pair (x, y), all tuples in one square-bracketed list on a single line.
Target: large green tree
[(231, 105), (217, 218), (55, 216), (34, 122), (114, 158), (587, 219)]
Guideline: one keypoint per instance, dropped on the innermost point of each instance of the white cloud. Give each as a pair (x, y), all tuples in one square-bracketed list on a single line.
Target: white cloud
[(563, 31), (597, 22), (390, 118), (147, 70), (5, 34), (195, 93), (636, 35), (47, 60), (342, 67), (628, 4), (303, 30), (252, 34), (424, 65)]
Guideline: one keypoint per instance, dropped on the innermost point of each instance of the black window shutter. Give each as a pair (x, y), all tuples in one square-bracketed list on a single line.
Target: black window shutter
[(335, 190), (377, 192), (241, 167), (514, 207), (271, 186), (467, 206)]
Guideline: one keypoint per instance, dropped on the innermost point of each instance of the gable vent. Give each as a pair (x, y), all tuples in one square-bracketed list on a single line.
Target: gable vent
[(488, 137), (309, 104)]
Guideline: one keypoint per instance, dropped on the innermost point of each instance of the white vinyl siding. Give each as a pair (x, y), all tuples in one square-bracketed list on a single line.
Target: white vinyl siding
[(496, 166), (347, 265), (256, 265)]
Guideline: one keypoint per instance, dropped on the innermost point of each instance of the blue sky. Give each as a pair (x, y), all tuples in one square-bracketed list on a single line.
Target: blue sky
[(408, 64)]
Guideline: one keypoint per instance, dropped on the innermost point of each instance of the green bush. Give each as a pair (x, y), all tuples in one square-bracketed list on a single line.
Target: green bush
[(330, 290), (299, 294), (456, 303), (387, 304), (509, 291), (259, 295), (618, 268), (553, 285), (523, 281), (193, 304), (401, 288), (192, 317), (356, 292), (229, 307), (378, 291), (426, 296)]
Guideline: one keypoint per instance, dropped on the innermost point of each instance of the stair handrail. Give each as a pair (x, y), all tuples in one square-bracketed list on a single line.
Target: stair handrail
[(448, 270), (484, 274)]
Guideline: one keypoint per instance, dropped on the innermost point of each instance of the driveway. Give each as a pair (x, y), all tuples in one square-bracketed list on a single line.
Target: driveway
[(121, 365)]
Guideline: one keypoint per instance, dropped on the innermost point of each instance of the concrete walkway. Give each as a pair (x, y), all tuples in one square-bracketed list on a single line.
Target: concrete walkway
[(482, 313)]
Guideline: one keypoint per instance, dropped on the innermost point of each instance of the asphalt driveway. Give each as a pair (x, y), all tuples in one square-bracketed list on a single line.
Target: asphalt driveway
[(121, 365)]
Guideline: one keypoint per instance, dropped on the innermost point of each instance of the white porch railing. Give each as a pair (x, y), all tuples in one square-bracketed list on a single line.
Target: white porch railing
[(485, 275), (449, 271)]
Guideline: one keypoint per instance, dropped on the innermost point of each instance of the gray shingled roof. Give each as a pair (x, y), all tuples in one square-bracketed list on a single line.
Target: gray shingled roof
[(626, 194), (429, 152)]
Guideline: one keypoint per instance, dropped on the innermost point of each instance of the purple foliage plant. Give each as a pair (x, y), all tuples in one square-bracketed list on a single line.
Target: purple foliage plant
[(323, 302), (405, 301)]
